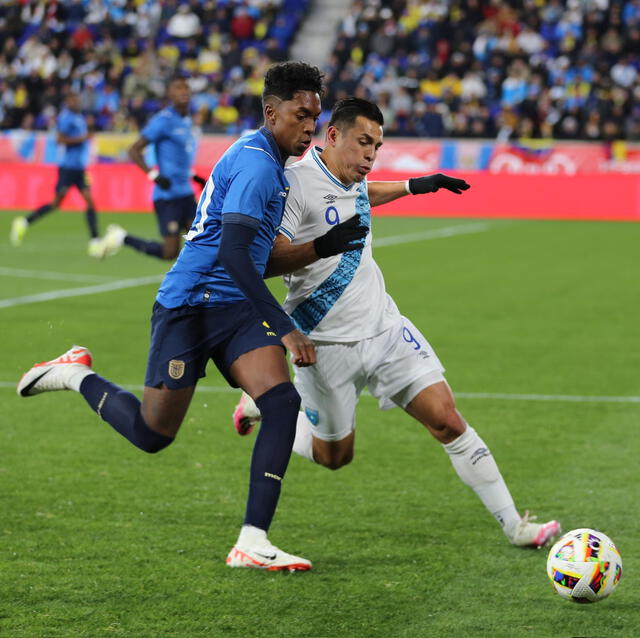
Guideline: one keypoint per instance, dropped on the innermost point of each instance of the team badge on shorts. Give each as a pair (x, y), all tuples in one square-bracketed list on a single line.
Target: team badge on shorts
[(173, 227), (312, 415), (176, 369)]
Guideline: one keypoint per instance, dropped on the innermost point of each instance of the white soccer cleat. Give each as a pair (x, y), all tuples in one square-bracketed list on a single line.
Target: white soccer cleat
[(96, 248), (51, 376), (528, 534), (19, 228), (246, 415), (266, 556), (113, 239)]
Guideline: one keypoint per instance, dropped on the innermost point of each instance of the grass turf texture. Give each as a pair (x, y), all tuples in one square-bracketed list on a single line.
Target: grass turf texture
[(98, 539)]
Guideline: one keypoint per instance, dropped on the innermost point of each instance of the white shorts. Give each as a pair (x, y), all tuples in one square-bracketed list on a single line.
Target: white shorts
[(395, 365)]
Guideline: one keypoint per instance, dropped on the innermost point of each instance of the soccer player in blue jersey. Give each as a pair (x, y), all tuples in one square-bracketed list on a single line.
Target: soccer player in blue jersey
[(73, 134), (214, 304), (171, 134)]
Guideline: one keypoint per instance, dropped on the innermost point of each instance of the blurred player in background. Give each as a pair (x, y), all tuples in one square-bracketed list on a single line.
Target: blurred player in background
[(361, 338), (74, 135), (171, 133), (214, 304)]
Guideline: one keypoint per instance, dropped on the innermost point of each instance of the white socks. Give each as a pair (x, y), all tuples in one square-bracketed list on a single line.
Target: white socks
[(77, 374), (251, 536), (303, 443), (476, 467)]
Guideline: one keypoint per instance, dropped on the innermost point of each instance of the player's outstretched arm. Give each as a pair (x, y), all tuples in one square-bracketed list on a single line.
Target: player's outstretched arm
[(287, 257), (384, 192)]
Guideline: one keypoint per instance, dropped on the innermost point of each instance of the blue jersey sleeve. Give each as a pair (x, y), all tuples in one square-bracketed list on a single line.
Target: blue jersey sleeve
[(251, 186), (154, 129)]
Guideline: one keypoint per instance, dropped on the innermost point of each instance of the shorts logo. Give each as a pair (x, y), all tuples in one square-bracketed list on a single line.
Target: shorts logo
[(173, 227), (270, 332), (312, 415), (176, 369)]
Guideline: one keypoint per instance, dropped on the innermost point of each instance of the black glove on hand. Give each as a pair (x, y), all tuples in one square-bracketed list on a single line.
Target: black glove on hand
[(341, 238), (431, 183), (198, 180), (163, 182)]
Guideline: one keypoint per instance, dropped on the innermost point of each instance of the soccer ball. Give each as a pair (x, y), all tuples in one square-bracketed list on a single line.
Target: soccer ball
[(584, 566)]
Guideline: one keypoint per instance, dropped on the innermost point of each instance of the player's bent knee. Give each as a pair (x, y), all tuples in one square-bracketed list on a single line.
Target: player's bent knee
[(334, 460), (149, 440)]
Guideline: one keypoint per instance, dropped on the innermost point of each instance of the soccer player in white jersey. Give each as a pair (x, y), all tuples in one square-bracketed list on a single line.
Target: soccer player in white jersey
[(362, 340)]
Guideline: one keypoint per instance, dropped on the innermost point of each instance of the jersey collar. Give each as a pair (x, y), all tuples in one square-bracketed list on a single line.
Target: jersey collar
[(323, 167), (272, 144)]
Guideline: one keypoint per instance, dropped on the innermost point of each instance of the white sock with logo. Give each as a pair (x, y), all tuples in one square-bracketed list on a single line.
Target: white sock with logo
[(476, 467), (303, 443)]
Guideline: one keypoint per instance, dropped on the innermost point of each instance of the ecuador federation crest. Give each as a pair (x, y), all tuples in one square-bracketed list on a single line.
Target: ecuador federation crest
[(176, 369)]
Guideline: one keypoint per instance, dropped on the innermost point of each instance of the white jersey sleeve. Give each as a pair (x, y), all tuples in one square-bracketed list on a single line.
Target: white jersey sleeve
[(294, 209), (340, 298)]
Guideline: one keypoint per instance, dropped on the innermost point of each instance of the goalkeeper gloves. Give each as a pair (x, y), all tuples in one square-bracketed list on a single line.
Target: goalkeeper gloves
[(432, 183), (341, 238), (162, 181)]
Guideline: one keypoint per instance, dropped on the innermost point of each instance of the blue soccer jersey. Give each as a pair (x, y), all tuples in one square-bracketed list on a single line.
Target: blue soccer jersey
[(71, 124), (175, 146), (248, 180)]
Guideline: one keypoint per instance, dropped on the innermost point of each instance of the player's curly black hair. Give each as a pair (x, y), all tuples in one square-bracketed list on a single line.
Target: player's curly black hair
[(345, 112), (284, 79)]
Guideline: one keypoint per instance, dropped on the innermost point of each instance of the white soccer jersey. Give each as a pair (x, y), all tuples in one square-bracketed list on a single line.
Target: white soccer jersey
[(340, 298)]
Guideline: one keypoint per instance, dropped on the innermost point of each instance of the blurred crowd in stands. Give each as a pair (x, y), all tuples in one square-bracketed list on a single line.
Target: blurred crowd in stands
[(119, 54), (564, 69), (466, 68)]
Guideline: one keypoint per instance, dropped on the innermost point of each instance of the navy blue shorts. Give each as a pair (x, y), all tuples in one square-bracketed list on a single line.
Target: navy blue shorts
[(184, 339), (175, 215), (68, 177)]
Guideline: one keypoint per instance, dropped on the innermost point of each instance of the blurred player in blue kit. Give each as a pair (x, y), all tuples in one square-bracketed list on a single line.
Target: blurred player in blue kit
[(73, 134), (214, 304), (171, 133), (361, 338)]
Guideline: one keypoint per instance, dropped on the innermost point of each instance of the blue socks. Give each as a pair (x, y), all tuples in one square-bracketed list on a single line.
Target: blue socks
[(39, 212), (146, 246), (121, 410), (92, 221), (279, 409)]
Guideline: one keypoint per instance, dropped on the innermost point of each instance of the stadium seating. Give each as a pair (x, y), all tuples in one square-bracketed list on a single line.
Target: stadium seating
[(466, 68), (565, 69), (119, 54)]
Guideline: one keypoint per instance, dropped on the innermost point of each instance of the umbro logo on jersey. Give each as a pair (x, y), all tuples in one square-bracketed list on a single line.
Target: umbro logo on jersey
[(330, 198)]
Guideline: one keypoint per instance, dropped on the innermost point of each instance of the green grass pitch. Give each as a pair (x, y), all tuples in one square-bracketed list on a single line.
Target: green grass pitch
[(98, 539)]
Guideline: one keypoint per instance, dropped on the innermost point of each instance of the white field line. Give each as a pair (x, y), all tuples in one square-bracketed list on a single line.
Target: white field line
[(447, 231), (48, 274), (438, 233), (79, 292), (497, 396)]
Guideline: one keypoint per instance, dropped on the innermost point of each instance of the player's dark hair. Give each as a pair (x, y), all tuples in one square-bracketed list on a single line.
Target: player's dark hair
[(285, 79), (178, 76), (346, 111)]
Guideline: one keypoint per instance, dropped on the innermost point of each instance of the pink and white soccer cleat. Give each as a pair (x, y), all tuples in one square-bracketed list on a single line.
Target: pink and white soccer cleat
[(528, 534), (246, 415), (51, 376), (268, 557)]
